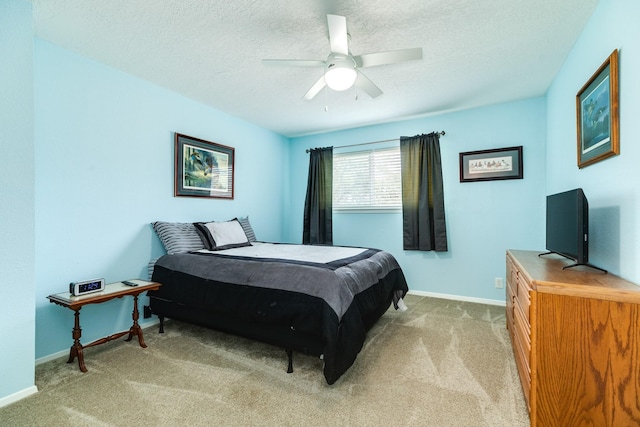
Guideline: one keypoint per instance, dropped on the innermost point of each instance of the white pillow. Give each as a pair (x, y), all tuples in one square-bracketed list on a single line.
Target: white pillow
[(228, 234)]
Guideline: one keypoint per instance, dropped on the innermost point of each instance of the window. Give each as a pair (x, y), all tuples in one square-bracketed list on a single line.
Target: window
[(367, 180)]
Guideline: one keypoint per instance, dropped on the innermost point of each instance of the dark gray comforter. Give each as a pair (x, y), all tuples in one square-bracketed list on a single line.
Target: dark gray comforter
[(334, 301)]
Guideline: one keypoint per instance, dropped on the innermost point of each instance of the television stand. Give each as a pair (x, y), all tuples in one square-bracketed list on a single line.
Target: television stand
[(587, 265), (576, 264), (575, 341)]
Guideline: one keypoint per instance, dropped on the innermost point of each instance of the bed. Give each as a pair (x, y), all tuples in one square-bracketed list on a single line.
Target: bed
[(318, 300)]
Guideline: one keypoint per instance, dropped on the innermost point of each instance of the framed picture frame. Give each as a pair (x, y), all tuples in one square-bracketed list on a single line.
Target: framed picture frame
[(491, 165), (203, 168), (598, 115)]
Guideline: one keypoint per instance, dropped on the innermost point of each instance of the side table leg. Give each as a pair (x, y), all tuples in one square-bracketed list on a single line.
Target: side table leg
[(76, 348), (135, 328)]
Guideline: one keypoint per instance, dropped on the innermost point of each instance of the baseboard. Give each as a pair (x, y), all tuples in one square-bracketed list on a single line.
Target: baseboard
[(65, 353), (460, 298), (12, 398), (53, 356)]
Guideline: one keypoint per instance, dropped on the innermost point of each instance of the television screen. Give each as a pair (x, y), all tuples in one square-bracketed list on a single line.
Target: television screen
[(568, 225)]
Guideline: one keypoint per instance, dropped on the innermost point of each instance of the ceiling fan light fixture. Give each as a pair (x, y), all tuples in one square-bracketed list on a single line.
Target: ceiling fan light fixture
[(340, 73)]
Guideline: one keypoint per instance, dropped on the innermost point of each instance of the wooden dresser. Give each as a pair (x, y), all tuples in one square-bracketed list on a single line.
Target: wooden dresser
[(576, 339)]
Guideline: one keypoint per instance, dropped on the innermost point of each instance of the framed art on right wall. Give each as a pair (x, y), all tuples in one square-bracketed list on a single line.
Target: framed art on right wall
[(598, 115)]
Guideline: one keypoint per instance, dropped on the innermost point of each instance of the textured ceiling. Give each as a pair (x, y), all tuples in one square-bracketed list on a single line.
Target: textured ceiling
[(475, 52)]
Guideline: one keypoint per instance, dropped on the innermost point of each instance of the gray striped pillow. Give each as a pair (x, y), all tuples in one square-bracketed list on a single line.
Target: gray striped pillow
[(150, 266), (246, 226), (178, 237)]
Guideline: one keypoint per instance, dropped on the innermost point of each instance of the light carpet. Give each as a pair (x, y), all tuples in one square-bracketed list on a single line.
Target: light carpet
[(440, 363)]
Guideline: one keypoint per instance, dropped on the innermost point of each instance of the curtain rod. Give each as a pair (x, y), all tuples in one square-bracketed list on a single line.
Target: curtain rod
[(373, 142)]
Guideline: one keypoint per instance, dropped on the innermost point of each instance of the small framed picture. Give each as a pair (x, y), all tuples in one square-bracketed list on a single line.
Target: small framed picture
[(203, 168), (490, 165), (597, 114)]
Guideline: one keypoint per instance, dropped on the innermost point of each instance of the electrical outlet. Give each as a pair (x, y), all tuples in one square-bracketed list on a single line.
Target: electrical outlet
[(499, 283)]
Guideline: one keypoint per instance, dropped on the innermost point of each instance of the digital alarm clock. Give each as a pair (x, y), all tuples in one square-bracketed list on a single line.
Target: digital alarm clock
[(86, 287)]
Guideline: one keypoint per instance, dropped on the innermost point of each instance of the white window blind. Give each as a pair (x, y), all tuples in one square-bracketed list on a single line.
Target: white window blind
[(367, 179)]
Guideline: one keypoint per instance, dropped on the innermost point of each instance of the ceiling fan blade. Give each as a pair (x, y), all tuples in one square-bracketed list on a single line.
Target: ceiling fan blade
[(389, 57), (338, 34), (363, 83), (294, 62), (317, 87)]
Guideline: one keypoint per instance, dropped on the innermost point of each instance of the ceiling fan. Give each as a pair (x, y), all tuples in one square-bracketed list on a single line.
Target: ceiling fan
[(341, 68)]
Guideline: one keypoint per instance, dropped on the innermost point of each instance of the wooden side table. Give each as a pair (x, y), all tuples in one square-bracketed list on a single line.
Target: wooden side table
[(111, 291)]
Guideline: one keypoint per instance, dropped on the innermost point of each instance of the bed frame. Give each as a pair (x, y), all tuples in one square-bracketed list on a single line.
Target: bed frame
[(282, 336)]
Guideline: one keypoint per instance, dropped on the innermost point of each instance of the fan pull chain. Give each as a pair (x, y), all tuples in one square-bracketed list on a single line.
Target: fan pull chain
[(326, 107)]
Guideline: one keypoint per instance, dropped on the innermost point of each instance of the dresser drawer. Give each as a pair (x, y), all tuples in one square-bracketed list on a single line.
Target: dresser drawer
[(523, 370), (522, 351), (509, 313), (512, 274), (523, 297), (523, 330)]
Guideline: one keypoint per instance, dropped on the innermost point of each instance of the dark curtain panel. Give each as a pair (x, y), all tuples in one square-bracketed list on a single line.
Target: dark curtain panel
[(318, 205), (423, 219)]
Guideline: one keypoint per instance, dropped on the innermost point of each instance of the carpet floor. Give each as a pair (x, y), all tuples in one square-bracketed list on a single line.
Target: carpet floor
[(440, 363)]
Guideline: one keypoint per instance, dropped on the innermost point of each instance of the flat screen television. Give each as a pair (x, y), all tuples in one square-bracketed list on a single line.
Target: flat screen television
[(568, 226)]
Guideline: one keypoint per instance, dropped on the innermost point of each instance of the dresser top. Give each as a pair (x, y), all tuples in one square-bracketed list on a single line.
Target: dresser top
[(546, 274)]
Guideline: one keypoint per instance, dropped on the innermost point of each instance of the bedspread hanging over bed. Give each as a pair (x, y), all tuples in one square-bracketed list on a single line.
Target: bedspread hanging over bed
[(331, 294)]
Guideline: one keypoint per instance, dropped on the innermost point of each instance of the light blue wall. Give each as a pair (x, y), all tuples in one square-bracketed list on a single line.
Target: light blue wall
[(484, 219), (17, 285), (612, 186), (104, 170)]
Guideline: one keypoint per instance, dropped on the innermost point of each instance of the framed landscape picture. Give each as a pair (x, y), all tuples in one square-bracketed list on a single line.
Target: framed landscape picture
[(203, 168), (598, 115), (490, 165)]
